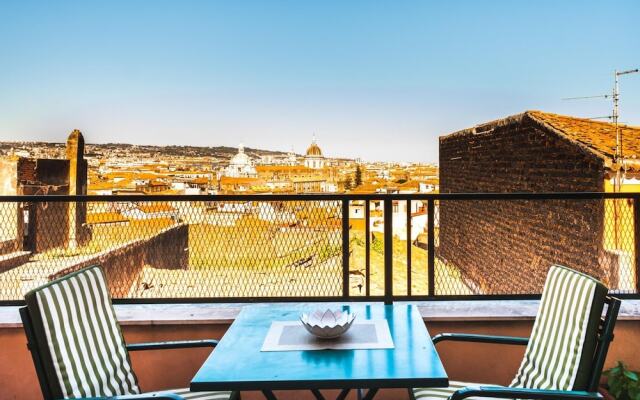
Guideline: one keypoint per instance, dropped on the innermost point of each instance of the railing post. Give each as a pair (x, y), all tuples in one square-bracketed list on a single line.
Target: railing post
[(388, 250), (367, 246), (29, 240), (431, 247), (345, 248), (408, 247), (636, 239)]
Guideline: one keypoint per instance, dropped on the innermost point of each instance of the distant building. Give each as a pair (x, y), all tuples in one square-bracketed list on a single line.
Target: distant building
[(153, 186), (230, 184), (309, 184), (508, 246), (38, 227), (240, 165), (296, 178), (291, 159), (314, 158)]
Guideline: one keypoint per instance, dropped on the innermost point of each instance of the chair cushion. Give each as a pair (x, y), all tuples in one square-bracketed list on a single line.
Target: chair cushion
[(443, 393), (82, 336), (560, 352), (186, 394)]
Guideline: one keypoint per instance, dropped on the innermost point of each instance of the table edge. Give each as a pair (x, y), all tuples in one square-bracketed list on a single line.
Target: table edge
[(393, 383)]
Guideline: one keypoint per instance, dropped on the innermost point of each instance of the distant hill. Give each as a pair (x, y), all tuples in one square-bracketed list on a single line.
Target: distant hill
[(173, 150)]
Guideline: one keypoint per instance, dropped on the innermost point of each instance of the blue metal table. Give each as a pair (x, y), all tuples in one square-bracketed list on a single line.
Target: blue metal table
[(238, 364)]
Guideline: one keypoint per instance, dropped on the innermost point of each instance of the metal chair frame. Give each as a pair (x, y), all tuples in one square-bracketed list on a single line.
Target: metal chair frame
[(604, 339)]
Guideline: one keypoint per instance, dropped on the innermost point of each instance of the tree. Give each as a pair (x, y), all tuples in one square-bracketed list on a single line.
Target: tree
[(347, 183), (358, 177)]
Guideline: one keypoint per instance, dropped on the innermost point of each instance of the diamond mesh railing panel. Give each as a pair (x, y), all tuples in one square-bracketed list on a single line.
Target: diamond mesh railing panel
[(180, 249), (293, 248), (505, 247)]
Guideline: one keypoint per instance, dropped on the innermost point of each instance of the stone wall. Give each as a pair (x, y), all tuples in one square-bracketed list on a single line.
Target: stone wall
[(169, 249), (48, 222), (507, 246)]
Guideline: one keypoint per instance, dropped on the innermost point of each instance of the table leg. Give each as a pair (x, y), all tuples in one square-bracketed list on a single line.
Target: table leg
[(268, 394), (343, 394), (371, 393), (317, 394)]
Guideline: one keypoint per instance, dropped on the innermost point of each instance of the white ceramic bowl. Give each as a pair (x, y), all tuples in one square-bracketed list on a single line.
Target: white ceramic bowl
[(327, 324)]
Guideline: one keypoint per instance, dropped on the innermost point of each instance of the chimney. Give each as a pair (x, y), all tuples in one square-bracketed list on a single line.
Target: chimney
[(78, 233)]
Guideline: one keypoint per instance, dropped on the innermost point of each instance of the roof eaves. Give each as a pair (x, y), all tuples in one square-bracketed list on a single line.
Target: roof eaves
[(485, 127)]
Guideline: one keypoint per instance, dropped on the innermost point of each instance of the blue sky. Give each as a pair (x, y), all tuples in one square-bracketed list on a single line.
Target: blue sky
[(379, 80)]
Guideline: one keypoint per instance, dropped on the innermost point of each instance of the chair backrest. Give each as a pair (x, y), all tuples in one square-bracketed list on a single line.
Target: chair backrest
[(75, 339), (566, 335), (605, 337)]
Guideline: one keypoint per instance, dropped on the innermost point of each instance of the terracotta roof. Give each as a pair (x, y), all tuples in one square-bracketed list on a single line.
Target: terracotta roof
[(410, 185), (158, 183), (367, 188), (130, 175), (597, 135), (168, 191), (316, 178), (282, 168), (228, 180), (102, 185)]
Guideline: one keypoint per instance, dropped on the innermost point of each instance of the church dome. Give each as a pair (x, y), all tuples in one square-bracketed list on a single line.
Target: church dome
[(240, 165), (314, 150), (240, 158)]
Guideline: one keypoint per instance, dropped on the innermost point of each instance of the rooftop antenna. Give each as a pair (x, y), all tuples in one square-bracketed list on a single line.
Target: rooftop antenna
[(615, 95), (616, 100)]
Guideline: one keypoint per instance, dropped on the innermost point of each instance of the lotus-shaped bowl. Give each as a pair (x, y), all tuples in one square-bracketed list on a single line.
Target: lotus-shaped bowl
[(327, 324)]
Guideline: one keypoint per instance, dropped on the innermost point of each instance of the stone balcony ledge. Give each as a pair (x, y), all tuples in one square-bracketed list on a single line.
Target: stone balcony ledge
[(225, 313)]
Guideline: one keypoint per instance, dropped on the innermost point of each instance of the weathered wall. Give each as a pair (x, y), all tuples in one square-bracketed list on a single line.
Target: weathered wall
[(122, 265), (48, 222), (164, 369), (8, 175), (10, 226), (508, 246)]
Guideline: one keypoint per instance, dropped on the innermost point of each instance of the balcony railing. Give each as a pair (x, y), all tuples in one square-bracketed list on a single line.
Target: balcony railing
[(386, 247)]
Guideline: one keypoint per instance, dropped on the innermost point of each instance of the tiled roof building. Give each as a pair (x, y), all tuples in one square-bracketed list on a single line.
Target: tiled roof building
[(597, 136), (515, 242)]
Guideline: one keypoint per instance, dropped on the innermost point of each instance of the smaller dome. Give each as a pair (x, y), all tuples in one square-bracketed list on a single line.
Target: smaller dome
[(240, 158)]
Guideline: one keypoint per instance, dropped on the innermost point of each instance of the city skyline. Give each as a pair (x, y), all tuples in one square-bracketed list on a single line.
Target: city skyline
[(372, 81)]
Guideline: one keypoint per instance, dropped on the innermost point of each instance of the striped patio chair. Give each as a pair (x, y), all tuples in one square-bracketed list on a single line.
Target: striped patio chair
[(77, 346), (565, 354)]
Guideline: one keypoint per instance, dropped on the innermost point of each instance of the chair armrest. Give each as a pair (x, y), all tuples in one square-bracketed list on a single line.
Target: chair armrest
[(501, 392), (178, 344), (465, 337)]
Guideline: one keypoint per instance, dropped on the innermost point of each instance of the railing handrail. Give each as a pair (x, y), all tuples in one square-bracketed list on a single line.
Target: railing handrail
[(323, 196)]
